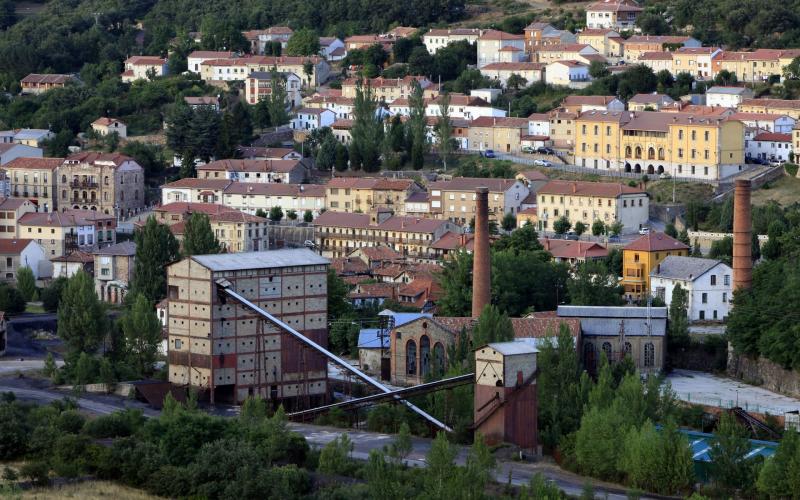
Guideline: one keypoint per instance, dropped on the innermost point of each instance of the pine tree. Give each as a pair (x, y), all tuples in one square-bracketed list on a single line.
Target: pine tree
[(402, 445), (492, 326), (26, 283), (156, 247), (198, 237), (142, 330), (341, 158), (441, 474), (678, 319), (417, 126), (82, 322)]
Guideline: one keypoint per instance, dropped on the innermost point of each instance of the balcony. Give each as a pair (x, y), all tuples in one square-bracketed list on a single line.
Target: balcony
[(88, 201), (83, 184)]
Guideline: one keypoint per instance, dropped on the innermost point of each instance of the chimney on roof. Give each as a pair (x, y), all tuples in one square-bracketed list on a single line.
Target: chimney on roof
[(481, 266), (742, 245), (574, 187)]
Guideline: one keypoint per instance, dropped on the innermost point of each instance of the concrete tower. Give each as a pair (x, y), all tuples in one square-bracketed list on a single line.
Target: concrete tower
[(742, 237), (482, 265)]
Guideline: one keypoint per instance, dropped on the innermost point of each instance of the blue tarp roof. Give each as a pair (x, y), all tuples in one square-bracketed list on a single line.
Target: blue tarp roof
[(368, 339), (403, 318), (700, 443)]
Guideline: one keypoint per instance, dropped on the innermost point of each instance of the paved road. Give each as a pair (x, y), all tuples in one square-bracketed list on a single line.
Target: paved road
[(363, 442)]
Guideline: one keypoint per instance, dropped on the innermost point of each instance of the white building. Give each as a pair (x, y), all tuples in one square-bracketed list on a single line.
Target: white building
[(198, 57), (437, 39), (21, 252), (613, 14), (260, 38), (539, 124), (769, 146), (707, 282), (105, 126), (532, 72), (463, 106), (781, 124), (727, 97), (313, 118), (332, 48), (498, 46), (568, 73), (11, 151), (143, 68)]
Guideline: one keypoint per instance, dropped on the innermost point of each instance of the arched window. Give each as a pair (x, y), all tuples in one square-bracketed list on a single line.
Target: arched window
[(638, 152), (411, 357), (105, 180), (628, 348), (607, 350), (588, 356), (651, 153), (438, 358), (425, 355), (63, 179), (660, 153), (63, 194), (649, 355), (627, 151)]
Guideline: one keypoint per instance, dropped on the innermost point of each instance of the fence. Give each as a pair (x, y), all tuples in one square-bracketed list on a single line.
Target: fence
[(727, 404)]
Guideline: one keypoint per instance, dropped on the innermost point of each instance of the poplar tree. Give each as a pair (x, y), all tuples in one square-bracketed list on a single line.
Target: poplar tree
[(276, 102), (367, 131), (156, 247), (81, 316), (417, 126), (26, 283), (198, 237), (142, 331), (444, 130)]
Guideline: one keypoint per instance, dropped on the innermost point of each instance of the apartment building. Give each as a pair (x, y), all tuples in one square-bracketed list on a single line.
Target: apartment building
[(436, 39), (538, 35), (606, 42), (656, 61), (198, 57), (569, 52), (365, 194), (258, 86), (697, 61), (35, 179), (613, 14), (501, 134), (681, 144), (236, 231), (728, 97), (111, 183), (532, 72), (462, 106), (757, 65), (707, 283), (342, 107), (586, 202), (39, 83), (22, 252), (144, 68), (175, 212), (336, 234), (230, 69), (786, 107), (113, 271), (10, 151), (11, 210), (228, 351), (389, 89), (641, 258), (637, 45), (60, 233), (454, 200), (498, 46), (249, 197), (259, 171), (562, 128)]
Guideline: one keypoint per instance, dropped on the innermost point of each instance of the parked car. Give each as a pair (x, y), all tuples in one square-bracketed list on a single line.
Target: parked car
[(489, 153), (545, 151), (644, 230), (542, 163), (528, 149), (664, 175), (775, 162), (571, 235)]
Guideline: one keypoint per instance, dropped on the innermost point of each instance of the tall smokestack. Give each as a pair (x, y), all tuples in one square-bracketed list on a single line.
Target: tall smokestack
[(742, 239), (481, 266)]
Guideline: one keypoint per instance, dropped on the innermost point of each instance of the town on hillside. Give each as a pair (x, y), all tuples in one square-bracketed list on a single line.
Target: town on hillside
[(401, 250)]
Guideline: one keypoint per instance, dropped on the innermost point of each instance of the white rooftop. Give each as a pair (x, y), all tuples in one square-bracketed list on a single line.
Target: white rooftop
[(260, 260), (513, 348)]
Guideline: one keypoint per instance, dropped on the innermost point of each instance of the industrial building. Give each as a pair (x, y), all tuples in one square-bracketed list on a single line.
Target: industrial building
[(228, 351)]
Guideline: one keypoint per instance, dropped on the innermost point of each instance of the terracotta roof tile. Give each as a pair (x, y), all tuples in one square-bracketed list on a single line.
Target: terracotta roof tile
[(585, 188), (655, 242)]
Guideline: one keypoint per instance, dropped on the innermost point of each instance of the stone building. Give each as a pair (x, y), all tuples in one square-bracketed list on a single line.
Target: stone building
[(113, 271), (229, 352), (111, 183)]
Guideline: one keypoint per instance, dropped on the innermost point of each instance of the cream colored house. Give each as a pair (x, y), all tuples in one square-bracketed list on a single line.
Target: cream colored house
[(105, 126), (532, 72), (236, 231), (454, 200), (501, 134), (365, 194), (436, 39), (249, 197), (144, 68), (11, 210), (35, 179), (492, 44), (389, 89), (111, 183), (60, 233)]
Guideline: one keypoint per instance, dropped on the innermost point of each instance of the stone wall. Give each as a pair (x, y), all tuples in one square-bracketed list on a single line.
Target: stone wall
[(765, 373)]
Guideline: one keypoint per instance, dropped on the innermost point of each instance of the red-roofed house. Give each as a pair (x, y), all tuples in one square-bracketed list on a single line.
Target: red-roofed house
[(18, 252), (574, 252), (349, 194), (498, 46), (613, 14), (104, 126), (770, 146), (41, 83), (455, 199), (285, 171), (642, 256), (144, 68)]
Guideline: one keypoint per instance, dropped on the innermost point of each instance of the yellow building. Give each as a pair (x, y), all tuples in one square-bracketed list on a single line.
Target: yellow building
[(681, 144), (236, 231), (697, 61), (641, 256), (757, 65), (389, 89), (587, 202), (604, 41), (60, 233), (454, 199), (35, 179), (786, 107), (500, 134), (11, 210), (365, 194)]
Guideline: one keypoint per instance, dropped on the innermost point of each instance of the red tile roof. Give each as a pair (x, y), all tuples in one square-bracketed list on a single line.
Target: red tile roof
[(498, 121), (569, 249), (585, 188), (472, 183), (275, 189), (278, 166), (656, 242), (91, 157), (195, 183), (773, 137), (34, 163), (181, 207), (13, 246), (377, 183), (500, 35)]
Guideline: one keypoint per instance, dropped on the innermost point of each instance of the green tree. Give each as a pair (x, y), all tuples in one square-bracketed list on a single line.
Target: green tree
[(303, 42), (441, 476), (598, 69), (509, 222), (444, 130), (82, 321), (326, 154), (792, 70), (678, 316), (594, 285), (683, 237), (156, 247), (308, 217), (340, 163), (26, 283), (261, 213), (198, 237), (335, 456), (579, 228), (11, 300), (367, 131), (7, 14), (338, 305), (291, 215), (402, 445), (730, 469), (657, 461), (51, 294), (615, 228), (598, 227), (142, 330), (456, 282), (417, 126), (562, 225), (492, 326), (275, 214), (515, 82), (780, 475), (722, 250), (277, 100), (670, 230)]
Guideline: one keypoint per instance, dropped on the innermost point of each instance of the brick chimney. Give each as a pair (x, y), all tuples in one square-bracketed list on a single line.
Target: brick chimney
[(742, 239), (482, 265)]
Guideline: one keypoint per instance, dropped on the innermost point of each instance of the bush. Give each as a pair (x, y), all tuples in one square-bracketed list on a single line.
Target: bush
[(13, 432), (36, 472), (70, 455), (791, 169), (70, 422), (119, 424)]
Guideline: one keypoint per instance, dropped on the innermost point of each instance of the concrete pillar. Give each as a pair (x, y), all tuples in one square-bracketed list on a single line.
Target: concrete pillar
[(482, 265), (742, 236)]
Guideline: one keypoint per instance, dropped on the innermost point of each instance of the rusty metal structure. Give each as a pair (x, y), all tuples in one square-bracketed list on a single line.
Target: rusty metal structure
[(482, 265), (742, 236)]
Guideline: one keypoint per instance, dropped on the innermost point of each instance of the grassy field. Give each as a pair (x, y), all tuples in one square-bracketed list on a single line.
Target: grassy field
[(784, 191), (661, 191), (88, 490)]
